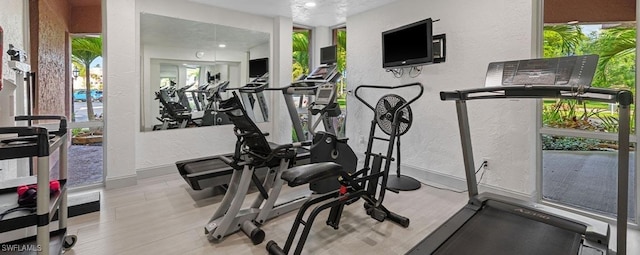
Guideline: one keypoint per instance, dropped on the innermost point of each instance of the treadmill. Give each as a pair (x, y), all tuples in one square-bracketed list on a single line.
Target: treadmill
[(256, 87), (494, 224)]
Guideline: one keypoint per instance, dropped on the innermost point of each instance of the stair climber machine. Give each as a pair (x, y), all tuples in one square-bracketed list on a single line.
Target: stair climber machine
[(252, 151), (361, 184)]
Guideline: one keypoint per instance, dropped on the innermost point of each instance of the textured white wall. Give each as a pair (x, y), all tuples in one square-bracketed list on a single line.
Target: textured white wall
[(478, 32), (281, 69), (321, 37), (11, 21), (122, 95), (128, 149)]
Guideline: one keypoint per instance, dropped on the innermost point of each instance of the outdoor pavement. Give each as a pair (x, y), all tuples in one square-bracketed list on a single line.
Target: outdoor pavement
[(585, 179)]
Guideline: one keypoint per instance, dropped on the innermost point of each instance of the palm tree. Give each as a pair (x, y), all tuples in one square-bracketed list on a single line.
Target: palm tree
[(341, 42), (615, 44), (83, 51), (565, 38), (301, 52)]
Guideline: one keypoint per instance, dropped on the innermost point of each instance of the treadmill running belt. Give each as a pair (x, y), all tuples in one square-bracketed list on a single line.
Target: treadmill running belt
[(206, 165), (492, 231)]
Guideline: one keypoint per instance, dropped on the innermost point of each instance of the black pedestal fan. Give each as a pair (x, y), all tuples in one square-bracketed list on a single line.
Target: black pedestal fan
[(392, 112), (386, 109)]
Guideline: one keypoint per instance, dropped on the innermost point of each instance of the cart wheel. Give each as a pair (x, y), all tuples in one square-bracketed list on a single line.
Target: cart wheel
[(69, 242)]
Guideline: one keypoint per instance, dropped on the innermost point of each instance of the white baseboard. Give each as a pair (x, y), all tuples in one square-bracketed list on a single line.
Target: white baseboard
[(131, 180), (156, 171), (121, 181), (457, 184)]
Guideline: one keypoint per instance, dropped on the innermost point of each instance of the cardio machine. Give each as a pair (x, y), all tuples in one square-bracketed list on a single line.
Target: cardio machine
[(252, 151), (494, 224), (361, 184), (256, 88), (320, 89), (307, 86)]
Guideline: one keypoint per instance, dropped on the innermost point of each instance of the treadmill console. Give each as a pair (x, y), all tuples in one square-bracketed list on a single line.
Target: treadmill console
[(325, 94), (322, 74), (572, 71)]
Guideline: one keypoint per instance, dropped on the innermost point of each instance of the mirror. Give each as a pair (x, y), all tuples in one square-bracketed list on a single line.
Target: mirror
[(189, 66)]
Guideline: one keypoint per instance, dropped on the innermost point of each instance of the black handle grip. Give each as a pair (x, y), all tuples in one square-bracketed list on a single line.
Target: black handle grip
[(62, 119), (416, 84), (274, 249)]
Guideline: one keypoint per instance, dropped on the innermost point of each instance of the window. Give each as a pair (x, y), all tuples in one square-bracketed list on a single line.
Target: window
[(579, 157)]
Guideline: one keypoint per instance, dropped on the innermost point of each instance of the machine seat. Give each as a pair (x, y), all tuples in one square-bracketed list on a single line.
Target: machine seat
[(304, 174)]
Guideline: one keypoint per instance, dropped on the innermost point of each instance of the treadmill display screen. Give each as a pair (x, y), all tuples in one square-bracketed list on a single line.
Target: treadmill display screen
[(324, 93), (321, 73)]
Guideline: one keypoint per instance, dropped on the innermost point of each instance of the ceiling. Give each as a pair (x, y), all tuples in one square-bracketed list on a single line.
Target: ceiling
[(325, 13), (154, 30)]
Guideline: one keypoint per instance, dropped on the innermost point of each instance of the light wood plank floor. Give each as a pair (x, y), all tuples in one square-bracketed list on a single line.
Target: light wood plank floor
[(162, 215)]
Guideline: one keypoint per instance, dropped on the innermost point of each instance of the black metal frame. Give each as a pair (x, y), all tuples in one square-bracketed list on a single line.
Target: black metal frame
[(362, 184), (401, 179), (477, 201)]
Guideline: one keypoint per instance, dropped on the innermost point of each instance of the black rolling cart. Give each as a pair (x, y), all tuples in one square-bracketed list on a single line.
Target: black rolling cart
[(39, 143)]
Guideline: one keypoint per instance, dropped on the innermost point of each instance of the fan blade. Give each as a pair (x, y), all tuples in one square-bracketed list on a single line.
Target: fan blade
[(395, 107), (387, 105)]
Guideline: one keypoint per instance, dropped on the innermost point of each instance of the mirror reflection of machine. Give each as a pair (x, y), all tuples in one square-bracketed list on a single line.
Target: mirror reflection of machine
[(185, 107)]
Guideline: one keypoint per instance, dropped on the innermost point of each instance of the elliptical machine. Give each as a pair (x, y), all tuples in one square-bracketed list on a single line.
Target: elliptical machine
[(395, 121)]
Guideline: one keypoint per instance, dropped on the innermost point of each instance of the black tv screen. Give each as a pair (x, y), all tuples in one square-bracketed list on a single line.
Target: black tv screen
[(258, 67), (409, 45), (329, 55)]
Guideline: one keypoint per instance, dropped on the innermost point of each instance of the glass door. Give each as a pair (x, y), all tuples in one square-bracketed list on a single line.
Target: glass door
[(85, 161)]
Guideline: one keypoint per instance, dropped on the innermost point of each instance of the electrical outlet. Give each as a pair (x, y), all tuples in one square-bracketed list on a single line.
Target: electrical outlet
[(486, 165)]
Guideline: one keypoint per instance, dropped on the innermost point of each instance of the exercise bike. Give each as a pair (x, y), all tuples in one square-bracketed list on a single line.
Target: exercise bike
[(393, 116)]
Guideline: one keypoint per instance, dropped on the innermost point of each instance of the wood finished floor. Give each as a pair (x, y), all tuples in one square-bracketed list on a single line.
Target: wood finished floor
[(162, 215)]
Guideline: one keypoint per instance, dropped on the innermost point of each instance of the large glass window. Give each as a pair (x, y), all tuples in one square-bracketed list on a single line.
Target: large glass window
[(579, 157), (340, 40)]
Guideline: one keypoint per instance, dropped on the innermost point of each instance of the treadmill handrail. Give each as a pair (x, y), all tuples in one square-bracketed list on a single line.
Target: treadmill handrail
[(623, 97)]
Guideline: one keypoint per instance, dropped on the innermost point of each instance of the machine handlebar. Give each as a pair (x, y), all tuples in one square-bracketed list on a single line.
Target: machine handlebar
[(415, 84)]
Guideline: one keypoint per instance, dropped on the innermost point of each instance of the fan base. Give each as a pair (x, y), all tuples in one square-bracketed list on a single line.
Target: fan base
[(403, 183)]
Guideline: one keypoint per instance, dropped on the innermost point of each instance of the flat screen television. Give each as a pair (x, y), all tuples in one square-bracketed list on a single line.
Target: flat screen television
[(409, 45), (329, 55), (258, 67)]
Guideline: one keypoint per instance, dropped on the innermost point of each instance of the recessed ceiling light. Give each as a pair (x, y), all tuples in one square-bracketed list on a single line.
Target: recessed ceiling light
[(310, 4), (222, 45)]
